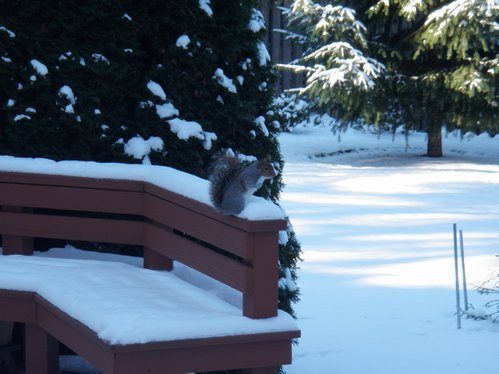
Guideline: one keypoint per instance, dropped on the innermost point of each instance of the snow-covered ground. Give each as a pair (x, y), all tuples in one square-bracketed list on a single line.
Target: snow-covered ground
[(375, 223)]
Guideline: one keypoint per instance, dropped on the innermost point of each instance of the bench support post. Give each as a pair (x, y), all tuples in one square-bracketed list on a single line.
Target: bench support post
[(42, 351), (260, 301), (156, 261), (17, 245)]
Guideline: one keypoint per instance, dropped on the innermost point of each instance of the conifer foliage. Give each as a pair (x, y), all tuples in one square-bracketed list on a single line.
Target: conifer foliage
[(412, 63), (162, 81)]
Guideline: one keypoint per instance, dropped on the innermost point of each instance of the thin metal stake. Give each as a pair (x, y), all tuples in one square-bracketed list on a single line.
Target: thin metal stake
[(456, 268), (465, 290)]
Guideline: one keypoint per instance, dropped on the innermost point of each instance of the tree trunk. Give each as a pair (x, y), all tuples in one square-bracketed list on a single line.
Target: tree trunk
[(434, 140)]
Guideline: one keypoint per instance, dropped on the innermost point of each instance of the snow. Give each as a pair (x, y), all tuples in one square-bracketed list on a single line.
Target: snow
[(168, 178), (21, 117), (375, 223), (190, 129), (156, 90), (30, 110), (205, 7), (127, 17), (6, 59), (245, 64), (166, 110), (139, 148), (224, 81), (99, 58), (262, 53), (183, 41), (32, 78), (65, 56), (260, 123), (186, 129), (68, 93), (10, 33), (135, 305), (76, 364), (39, 67), (257, 21), (209, 138), (10, 103)]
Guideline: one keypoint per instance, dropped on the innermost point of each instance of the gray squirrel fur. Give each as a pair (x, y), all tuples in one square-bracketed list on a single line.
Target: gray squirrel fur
[(232, 182)]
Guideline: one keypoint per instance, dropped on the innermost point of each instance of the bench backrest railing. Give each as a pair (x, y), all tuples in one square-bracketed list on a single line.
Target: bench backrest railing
[(240, 253)]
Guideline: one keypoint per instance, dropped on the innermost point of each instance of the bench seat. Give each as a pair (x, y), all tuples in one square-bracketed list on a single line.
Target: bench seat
[(124, 304)]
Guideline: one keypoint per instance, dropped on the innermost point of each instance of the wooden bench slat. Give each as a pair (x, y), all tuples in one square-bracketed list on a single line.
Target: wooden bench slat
[(196, 225), (69, 181), (208, 211), (203, 354), (71, 228), (198, 257), (71, 198)]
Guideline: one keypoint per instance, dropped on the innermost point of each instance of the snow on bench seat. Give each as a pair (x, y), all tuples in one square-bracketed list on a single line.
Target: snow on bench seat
[(125, 304), (165, 177)]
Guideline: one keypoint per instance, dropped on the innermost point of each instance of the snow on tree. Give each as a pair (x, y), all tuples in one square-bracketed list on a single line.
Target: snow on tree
[(412, 63)]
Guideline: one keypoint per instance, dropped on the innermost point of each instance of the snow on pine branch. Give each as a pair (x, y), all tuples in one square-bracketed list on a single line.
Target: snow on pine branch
[(224, 81), (339, 63), (139, 148), (190, 129), (256, 22), (324, 24), (466, 8), (204, 5), (333, 41), (39, 67), (463, 27), (10, 33)]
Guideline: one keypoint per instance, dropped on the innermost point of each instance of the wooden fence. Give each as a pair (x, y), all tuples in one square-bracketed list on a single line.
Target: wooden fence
[(280, 49)]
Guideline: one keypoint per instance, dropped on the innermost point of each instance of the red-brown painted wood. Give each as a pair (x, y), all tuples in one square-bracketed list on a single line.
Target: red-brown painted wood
[(192, 254), (207, 354), (196, 225), (71, 228), (260, 301), (158, 214), (17, 306), (42, 351), (62, 180), (153, 260), (71, 198), (16, 244), (208, 211)]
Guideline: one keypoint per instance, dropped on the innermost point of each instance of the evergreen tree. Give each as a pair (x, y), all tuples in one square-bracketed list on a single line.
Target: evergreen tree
[(412, 63), (163, 82)]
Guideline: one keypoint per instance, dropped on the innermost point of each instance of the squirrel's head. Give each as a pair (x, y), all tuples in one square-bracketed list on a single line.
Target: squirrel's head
[(266, 169)]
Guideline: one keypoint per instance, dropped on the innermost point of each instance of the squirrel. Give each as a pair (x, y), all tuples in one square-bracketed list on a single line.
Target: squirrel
[(232, 182)]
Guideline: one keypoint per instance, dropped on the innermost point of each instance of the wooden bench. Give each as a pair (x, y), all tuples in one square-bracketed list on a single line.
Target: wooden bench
[(240, 253)]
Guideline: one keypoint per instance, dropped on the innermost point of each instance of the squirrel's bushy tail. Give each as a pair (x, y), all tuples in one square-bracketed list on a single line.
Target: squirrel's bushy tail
[(222, 169)]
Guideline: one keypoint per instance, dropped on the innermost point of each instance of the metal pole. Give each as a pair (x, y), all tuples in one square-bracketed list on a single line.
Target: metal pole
[(456, 268), (465, 290)]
